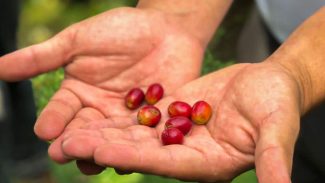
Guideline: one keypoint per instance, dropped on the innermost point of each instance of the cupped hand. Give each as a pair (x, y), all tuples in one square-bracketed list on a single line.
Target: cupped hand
[(255, 122), (104, 57)]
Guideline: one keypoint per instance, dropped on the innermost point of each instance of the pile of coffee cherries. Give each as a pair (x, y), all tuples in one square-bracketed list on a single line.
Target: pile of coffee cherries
[(181, 114)]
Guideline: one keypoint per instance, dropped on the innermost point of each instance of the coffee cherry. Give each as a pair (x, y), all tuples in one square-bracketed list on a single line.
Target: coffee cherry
[(201, 113), (154, 93), (149, 115), (180, 122), (179, 108), (172, 136), (134, 98)]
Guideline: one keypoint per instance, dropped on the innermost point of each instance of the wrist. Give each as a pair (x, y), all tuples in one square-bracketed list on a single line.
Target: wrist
[(302, 55), (289, 65), (199, 18)]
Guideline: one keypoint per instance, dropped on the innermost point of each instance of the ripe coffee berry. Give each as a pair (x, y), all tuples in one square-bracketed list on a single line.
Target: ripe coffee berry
[(172, 136), (179, 108), (134, 98), (154, 93), (201, 113), (180, 122), (149, 116)]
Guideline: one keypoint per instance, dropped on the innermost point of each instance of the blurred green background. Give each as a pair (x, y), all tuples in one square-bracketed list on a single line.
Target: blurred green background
[(41, 19)]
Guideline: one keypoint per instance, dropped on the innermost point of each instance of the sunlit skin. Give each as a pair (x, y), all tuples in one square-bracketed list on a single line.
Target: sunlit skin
[(88, 85), (243, 129), (256, 107), (101, 69)]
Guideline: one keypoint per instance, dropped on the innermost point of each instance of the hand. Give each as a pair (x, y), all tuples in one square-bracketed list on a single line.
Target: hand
[(104, 57), (255, 120)]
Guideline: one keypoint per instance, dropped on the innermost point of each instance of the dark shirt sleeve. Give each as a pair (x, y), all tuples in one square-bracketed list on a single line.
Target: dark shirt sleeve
[(8, 25)]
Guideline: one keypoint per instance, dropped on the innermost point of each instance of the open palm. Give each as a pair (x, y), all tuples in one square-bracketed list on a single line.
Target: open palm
[(255, 123), (104, 57)]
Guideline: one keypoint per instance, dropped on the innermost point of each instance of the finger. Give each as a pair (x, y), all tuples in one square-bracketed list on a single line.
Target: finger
[(81, 144), (83, 117), (171, 162), (60, 110), (275, 147), (89, 168), (144, 153), (81, 132), (55, 152), (98, 98), (37, 59)]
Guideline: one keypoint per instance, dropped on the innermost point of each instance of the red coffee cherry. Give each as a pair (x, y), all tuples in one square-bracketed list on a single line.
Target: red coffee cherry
[(172, 136), (134, 98), (149, 115), (179, 108), (201, 112), (154, 93), (180, 122)]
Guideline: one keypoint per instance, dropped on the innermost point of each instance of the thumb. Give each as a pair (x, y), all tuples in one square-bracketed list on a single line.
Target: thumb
[(37, 59), (275, 147)]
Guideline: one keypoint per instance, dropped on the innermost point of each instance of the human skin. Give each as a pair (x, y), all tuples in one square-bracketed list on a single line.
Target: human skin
[(244, 128), (113, 60), (107, 55), (256, 120), (261, 103)]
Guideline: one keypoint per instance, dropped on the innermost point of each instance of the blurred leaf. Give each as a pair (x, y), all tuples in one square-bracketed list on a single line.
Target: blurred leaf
[(247, 177), (44, 87), (68, 173), (211, 63)]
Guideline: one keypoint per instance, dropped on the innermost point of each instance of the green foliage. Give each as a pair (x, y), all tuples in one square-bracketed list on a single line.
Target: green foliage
[(68, 173), (41, 19), (211, 63), (246, 177), (110, 176), (44, 87)]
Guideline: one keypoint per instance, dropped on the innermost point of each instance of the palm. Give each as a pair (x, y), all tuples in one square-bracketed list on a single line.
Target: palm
[(136, 50), (104, 57), (246, 113), (127, 47)]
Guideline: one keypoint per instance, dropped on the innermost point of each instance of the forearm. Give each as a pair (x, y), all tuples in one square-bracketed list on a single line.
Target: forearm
[(199, 17), (303, 55)]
